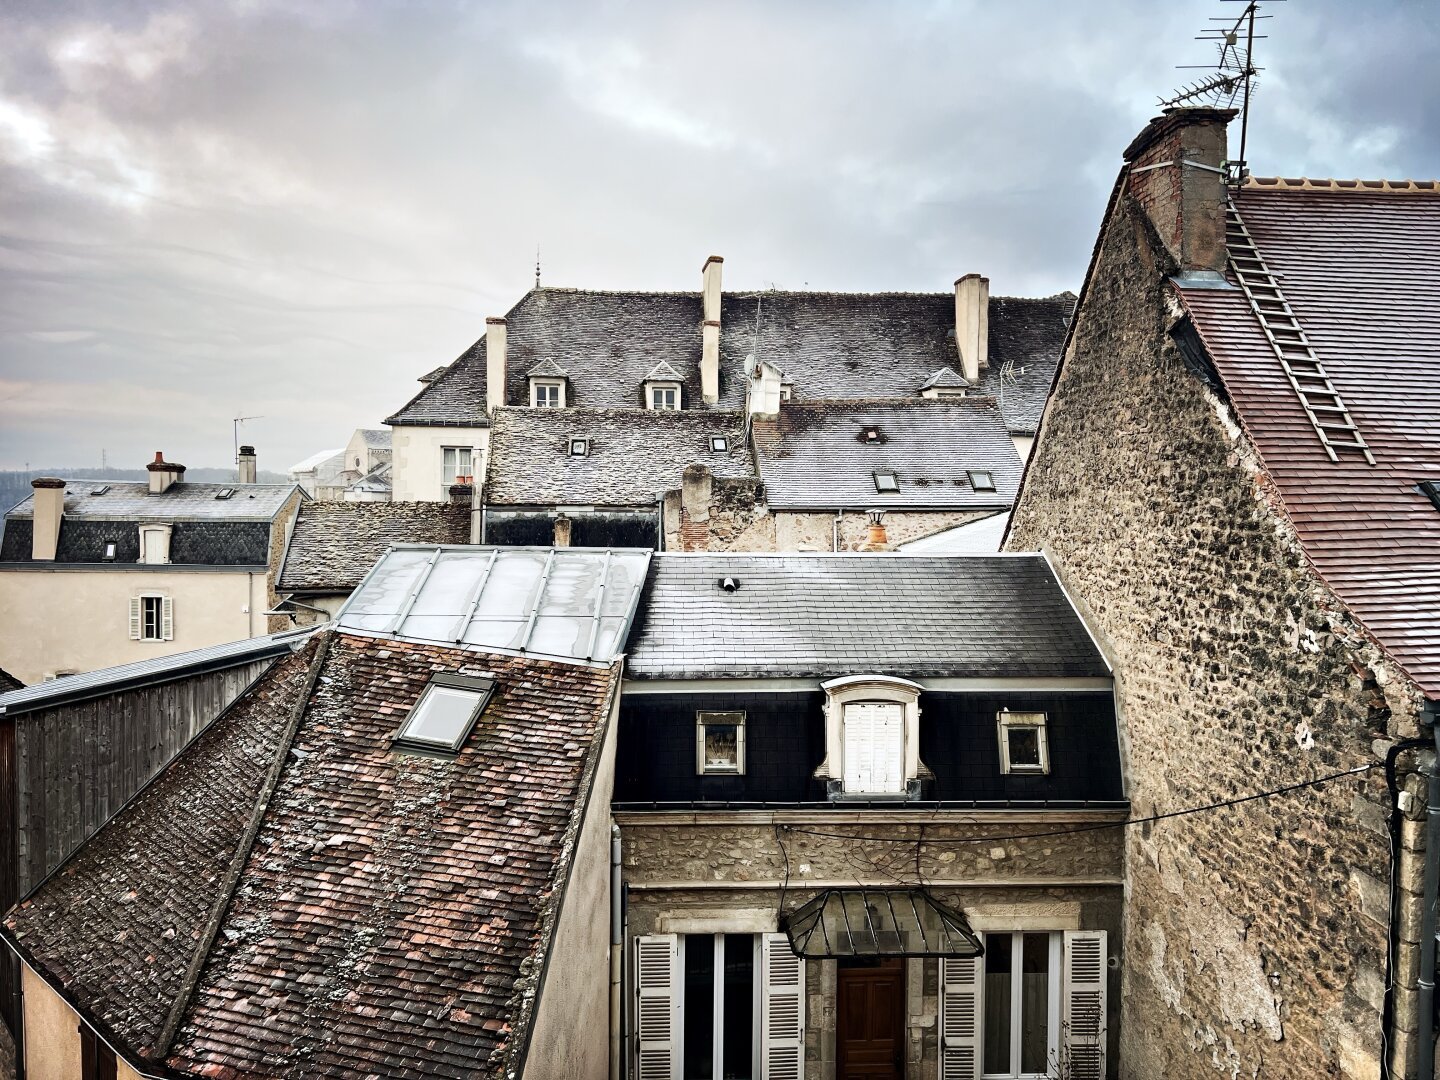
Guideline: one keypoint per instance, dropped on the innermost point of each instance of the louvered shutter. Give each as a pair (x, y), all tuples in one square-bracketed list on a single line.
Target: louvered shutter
[(889, 748), (874, 746), (655, 1007), (167, 620), (859, 748), (134, 618), (961, 983), (1083, 1015), (782, 1020)]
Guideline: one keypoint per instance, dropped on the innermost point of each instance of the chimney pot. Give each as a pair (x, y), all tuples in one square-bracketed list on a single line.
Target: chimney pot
[(496, 363), (875, 538)]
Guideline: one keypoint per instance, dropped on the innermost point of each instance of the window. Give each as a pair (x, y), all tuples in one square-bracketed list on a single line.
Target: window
[(664, 396), (444, 716), (101, 490), (154, 544), (1024, 745), (579, 447), (887, 483), (874, 747), (1022, 1003), (786, 391), (455, 462), (547, 393), (110, 546), (982, 480), (871, 737), (719, 444), (224, 493), (720, 743), (151, 618)]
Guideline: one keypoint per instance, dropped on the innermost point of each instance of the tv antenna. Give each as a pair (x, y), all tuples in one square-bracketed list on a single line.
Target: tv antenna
[(235, 429), (1233, 77)]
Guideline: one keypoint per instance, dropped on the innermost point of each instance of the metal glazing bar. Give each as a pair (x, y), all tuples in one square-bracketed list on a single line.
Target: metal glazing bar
[(409, 603), (599, 606), (539, 599), (463, 623)]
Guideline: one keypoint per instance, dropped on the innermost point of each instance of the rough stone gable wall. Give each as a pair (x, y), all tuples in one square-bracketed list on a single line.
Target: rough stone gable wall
[(1256, 935)]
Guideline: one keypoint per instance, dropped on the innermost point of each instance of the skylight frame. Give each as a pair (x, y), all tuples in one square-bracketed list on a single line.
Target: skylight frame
[(886, 482), (579, 446), (719, 444), (483, 689), (225, 493), (975, 483)]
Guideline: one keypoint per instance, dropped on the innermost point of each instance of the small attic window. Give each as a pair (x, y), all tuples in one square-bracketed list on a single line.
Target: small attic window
[(719, 444), (982, 480), (101, 490), (579, 447), (887, 483), (224, 493), (110, 546), (445, 714)]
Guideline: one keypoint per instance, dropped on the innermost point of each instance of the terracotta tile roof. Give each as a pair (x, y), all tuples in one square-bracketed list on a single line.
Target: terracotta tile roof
[(1356, 260), (334, 545)]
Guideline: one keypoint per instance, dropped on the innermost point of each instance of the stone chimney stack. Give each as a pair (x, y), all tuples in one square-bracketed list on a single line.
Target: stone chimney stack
[(496, 369), (1177, 173), (710, 330), (49, 508), (972, 325), (163, 474), (562, 530), (247, 464)]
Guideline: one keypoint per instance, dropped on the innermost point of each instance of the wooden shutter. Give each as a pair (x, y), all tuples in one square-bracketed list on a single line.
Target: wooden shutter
[(656, 1011), (135, 618), (1083, 1007), (167, 620), (961, 985), (859, 748), (874, 746), (782, 1020)]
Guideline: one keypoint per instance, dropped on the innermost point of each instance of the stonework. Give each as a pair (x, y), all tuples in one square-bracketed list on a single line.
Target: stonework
[(1256, 934)]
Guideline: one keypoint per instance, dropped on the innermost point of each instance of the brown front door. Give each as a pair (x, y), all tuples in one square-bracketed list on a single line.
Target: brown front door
[(870, 1020)]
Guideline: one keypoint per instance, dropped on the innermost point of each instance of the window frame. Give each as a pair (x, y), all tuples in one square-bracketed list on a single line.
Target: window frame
[(1054, 1003), (1005, 722), (583, 443), (480, 685), (872, 689), (719, 444), (469, 452), (657, 387), (717, 1002), (988, 487), (894, 479), (538, 383), (158, 601), (711, 717)]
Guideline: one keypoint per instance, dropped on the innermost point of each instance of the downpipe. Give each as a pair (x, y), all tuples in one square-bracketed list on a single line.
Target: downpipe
[(617, 958), (1425, 985)]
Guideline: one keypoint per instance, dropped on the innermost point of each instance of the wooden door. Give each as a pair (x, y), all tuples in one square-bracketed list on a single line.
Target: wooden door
[(870, 1020)]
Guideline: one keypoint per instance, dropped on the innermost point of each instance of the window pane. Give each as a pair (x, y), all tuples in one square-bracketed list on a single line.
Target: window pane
[(721, 749), (1035, 1004), (997, 1002), (699, 1007), (442, 715), (1024, 746), (739, 1007)]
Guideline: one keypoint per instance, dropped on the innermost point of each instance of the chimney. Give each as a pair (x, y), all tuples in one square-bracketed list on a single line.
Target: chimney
[(972, 325), (495, 366), (875, 538), (1177, 173), (562, 531), (163, 474), (247, 464), (49, 508), (462, 491), (710, 330)]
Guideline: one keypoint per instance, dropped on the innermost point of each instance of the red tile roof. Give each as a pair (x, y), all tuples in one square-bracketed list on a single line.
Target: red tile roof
[(1357, 262)]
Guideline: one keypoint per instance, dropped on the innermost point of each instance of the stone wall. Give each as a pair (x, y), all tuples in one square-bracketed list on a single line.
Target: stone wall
[(1256, 935)]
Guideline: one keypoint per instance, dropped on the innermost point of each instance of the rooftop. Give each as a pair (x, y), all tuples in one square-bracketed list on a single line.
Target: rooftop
[(129, 500), (334, 545)]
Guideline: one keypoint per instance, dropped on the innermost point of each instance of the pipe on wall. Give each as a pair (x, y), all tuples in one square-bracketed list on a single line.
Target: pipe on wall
[(617, 957), (1425, 984)]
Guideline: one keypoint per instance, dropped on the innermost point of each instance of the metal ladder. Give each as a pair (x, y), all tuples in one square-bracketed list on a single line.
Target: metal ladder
[(1323, 404)]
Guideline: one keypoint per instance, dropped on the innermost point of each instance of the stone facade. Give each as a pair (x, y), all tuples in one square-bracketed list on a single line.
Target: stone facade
[(1257, 934)]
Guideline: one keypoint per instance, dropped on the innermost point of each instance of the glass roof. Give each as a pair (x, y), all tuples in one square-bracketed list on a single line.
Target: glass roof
[(878, 922), (566, 602)]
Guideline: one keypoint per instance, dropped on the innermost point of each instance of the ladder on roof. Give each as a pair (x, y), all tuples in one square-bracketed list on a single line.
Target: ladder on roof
[(1323, 404)]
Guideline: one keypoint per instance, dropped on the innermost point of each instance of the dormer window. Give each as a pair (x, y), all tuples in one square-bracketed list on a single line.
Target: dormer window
[(445, 715), (872, 737), (154, 544), (1024, 743), (664, 396), (579, 447), (547, 393)]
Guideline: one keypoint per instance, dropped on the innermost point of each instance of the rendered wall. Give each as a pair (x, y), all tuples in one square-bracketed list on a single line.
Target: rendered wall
[(52, 1032), (417, 461)]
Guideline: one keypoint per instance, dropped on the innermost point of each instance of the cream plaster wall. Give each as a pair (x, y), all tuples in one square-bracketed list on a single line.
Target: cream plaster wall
[(417, 460), (79, 620), (52, 1031), (1022, 445), (796, 531)]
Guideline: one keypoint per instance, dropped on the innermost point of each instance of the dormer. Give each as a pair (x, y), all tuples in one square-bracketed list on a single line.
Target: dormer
[(872, 738), (548, 382), (945, 383), (663, 388)]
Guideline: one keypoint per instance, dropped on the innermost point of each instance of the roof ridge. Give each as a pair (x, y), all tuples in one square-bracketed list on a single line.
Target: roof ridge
[(1305, 183), (752, 293)]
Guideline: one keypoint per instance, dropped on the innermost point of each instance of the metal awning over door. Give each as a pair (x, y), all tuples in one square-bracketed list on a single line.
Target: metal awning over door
[(841, 923)]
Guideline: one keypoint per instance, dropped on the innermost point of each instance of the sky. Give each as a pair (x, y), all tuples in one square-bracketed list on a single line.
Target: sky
[(291, 211)]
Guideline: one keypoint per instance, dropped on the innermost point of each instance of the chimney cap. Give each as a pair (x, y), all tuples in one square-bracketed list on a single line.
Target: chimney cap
[(967, 277), (247, 451), (161, 465), (495, 320), (1173, 119), (47, 482), (711, 259)]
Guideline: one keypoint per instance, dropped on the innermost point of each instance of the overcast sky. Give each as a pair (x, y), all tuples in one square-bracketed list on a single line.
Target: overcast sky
[(293, 210)]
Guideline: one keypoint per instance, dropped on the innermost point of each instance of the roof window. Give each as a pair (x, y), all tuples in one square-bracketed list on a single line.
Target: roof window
[(870, 434), (719, 444), (110, 547), (887, 483), (1431, 490), (982, 480), (101, 490), (579, 447), (224, 493), (445, 714)]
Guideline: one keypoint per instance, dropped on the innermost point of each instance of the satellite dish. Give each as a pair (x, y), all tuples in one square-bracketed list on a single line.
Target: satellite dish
[(749, 364)]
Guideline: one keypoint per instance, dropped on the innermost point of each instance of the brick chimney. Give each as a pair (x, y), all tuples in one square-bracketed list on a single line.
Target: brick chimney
[(247, 464), (496, 368), (49, 507), (163, 474), (710, 330), (1177, 173), (972, 325)]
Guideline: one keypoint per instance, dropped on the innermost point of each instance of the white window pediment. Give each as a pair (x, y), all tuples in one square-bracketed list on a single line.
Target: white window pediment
[(872, 736)]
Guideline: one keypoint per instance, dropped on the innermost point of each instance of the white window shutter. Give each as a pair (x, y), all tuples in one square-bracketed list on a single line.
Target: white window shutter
[(782, 1020), (656, 1007), (1083, 1008), (859, 748), (167, 620), (890, 749), (134, 618), (961, 985)]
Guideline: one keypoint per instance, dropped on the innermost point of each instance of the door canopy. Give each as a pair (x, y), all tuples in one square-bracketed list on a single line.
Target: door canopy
[(842, 923)]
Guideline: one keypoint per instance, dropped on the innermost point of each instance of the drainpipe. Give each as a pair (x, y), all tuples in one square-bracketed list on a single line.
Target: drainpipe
[(835, 530), (1425, 985), (617, 954), (1388, 1025)]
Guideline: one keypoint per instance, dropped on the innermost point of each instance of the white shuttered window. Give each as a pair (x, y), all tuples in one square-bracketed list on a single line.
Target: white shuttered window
[(782, 1019), (656, 1001), (960, 1007), (1086, 958), (874, 746), (152, 618)]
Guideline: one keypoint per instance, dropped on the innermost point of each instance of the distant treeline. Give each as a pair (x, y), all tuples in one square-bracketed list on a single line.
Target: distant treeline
[(15, 483)]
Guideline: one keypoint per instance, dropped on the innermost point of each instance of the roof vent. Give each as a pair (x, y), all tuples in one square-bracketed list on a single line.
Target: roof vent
[(729, 584), (1431, 490), (870, 434)]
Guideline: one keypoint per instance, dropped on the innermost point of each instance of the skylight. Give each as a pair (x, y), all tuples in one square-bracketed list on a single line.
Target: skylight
[(101, 490), (579, 447), (719, 444), (886, 483), (445, 714), (224, 493), (981, 480)]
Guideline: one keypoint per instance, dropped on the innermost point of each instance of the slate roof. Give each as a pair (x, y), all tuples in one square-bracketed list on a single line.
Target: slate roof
[(8, 683), (424, 963), (333, 545), (376, 438), (816, 616), (830, 345), (330, 460), (945, 379), (131, 501), (814, 455), (634, 454), (192, 543), (1357, 264)]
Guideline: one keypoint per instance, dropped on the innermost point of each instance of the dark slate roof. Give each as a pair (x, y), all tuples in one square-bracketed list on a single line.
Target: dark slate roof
[(817, 616), (9, 683), (376, 438), (333, 545), (424, 963), (830, 345), (945, 379), (116, 925), (634, 454), (131, 501), (1356, 261), (814, 456), (192, 543)]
